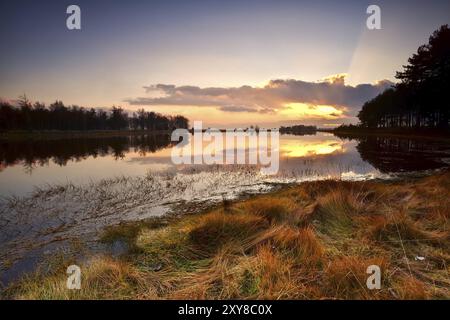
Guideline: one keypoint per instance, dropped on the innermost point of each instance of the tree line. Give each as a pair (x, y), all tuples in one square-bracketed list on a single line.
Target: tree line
[(298, 130), (422, 97), (37, 116)]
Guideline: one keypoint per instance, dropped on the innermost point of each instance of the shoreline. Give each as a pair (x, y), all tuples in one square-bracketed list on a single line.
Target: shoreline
[(55, 134), (60, 214), (272, 230), (426, 135), (77, 134)]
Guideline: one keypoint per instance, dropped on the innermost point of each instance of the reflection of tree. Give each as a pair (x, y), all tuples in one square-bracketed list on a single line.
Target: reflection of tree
[(299, 130), (28, 167), (33, 153), (389, 154)]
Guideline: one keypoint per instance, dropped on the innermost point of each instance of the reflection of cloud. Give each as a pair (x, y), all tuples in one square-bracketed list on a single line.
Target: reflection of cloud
[(297, 149), (276, 95)]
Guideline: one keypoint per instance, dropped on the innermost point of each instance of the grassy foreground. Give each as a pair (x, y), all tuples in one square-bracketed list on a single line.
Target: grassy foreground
[(310, 241)]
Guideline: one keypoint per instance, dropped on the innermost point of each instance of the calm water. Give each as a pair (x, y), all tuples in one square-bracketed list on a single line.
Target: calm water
[(25, 165)]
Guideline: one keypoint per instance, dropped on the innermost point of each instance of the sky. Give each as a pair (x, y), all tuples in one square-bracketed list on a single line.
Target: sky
[(227, 63)]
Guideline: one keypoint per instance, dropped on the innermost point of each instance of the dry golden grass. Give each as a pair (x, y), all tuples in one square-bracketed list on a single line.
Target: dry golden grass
[(102, 278), (217, 228), (272, 209), (301, 244), (400, 226), (410, 288), (310, 241), (345, 278)]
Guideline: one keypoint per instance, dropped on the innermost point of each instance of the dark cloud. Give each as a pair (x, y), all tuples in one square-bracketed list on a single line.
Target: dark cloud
[(274, 96)]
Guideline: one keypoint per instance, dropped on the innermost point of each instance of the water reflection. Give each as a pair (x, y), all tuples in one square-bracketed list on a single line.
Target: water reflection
[(25, 164), (394, 155), (34, 153), (295, 149)]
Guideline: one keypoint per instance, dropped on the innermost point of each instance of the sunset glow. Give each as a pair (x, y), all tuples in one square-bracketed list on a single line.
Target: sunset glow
[(260, 64), (293, 149), (306, 111)]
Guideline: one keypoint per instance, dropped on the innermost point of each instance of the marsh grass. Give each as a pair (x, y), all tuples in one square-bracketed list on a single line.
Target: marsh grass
[(310, 241)]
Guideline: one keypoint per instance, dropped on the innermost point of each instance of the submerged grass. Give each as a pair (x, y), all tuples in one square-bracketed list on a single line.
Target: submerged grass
[(310, 241)]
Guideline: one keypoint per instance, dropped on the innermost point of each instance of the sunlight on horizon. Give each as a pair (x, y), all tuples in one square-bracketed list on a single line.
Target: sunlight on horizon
[(311, 111)]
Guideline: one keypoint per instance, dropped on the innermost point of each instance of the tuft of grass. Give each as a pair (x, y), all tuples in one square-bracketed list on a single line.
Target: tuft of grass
[(216, 229), (101, 278), (270, 208), (273, 274), (301, 244), (398, 227), (410, 288), (129, 231), (345, 278), (334, 214)]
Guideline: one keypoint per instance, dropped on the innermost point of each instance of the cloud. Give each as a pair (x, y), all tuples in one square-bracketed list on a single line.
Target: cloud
[(236, 109), (274, 96)]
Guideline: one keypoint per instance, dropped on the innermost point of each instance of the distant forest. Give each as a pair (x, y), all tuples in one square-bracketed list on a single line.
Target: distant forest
[(298, 129), (422, 97), (57, 116)]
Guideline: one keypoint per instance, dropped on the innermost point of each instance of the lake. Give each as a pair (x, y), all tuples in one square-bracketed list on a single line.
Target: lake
[(29, 164)]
